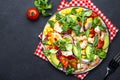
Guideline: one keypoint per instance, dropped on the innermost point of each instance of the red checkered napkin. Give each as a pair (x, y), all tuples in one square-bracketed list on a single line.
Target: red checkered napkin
[(87, 4)]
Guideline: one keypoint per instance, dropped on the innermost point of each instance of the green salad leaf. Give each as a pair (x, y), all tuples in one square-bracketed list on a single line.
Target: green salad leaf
[(73, 12), (42, 6), (95, 40), (102, 55), (69, 70), (76, 29), (68, 47), (51, 22), (59, 16), (48, 52), (45, 42)]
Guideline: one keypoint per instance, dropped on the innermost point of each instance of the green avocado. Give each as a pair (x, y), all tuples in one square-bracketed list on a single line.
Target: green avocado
[(54, 59), (88, 51), (106, 41), (75, 51)]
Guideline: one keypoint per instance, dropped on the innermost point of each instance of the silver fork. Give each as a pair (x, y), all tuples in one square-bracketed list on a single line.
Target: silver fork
[(112, 66)]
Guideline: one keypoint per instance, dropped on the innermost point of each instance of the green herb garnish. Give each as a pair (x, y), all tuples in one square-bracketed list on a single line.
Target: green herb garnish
[(51, 22), (42, 6)]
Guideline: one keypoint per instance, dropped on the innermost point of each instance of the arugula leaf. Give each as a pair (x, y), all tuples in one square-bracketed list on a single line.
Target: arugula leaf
[(95, 40), (65, 27), (96, 22), (59, 16), (42, 6), (51, 22), (102, 28), (76, 29), (73, 11)]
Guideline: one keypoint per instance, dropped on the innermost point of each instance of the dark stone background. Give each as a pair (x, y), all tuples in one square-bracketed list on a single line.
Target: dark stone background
[(19, 39)]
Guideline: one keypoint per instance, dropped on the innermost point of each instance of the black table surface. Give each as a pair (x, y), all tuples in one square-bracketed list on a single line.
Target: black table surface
[(19, 39)]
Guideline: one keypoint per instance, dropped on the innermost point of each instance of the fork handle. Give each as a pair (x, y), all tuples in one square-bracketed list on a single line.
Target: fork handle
[(107, 74)]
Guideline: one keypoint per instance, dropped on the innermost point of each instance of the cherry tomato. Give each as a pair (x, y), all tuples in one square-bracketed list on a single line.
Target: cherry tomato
[(92, 32), (94, 15), (64, 61), (33, 13), (73, 63), (100, 44)]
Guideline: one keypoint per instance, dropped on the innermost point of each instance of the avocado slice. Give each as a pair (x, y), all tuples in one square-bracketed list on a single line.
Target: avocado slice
[(75, 51), (88, 51), (106, 41), (54, 59)]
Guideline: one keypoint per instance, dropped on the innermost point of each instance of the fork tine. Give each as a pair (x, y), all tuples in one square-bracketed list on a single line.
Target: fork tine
[(115, 64), (117, 55)]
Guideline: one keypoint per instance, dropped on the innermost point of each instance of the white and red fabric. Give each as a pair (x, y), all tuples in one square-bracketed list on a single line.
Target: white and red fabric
[(87, 4)]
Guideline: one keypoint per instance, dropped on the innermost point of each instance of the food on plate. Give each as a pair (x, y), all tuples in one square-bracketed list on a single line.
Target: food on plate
[(33, 13), (75, 40)]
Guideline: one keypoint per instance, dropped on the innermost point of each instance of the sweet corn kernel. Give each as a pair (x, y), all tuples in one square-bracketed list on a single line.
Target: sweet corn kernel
[(79, 10), (83, 57), (66, 11), (49, 43), (47, 30), (83, 52)]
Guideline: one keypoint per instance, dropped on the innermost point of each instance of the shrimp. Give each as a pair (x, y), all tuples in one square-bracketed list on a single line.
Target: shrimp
[(81, 67), (90, 40), (54, 37), (57, 27), (102, 36), (83, 44), (94, 63)]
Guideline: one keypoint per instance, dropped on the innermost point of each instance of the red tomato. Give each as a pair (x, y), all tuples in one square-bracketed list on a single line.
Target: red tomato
[(92, 32), (100, 44), (64, 61), (33, 13), (94, 15), (73, 63)]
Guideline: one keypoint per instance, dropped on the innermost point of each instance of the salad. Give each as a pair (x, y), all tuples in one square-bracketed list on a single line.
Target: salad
[(75, 40)]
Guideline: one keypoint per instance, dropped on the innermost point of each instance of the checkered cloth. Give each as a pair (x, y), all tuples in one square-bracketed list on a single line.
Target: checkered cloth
[(87, 4)]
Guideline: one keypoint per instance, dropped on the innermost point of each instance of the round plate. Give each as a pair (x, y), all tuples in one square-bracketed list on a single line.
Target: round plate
[(61, 68)]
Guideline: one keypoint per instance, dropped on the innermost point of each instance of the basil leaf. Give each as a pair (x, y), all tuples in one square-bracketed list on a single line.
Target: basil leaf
[(95, 40), (51, 22)]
